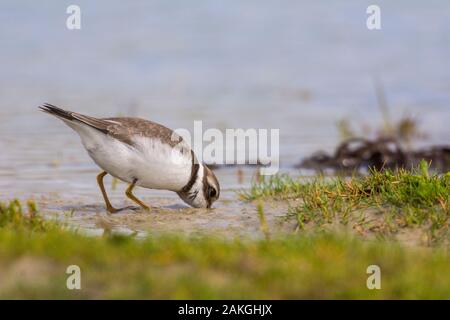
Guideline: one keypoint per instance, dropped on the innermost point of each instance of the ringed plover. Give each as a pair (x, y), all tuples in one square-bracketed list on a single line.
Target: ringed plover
[(142, 153)]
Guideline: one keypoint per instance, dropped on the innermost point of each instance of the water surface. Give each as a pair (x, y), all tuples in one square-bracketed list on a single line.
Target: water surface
[(298, 66)]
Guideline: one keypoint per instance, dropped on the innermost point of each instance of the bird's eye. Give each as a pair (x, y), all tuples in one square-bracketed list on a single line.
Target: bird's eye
[(212, 192)]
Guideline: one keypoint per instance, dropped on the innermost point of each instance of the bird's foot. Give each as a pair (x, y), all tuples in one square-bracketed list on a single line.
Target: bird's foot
[(112, 210)]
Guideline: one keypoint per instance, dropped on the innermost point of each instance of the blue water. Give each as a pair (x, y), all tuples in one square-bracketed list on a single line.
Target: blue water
[(299, 66)]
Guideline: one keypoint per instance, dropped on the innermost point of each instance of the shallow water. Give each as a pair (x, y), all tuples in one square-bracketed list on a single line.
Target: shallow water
[(72, 196), (298, 66)]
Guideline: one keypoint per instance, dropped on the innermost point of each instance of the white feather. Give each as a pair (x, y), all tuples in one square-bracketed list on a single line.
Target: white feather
[(155, 164)]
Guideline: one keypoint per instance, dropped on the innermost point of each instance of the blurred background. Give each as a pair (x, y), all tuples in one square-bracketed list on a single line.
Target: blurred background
[(300, 66)]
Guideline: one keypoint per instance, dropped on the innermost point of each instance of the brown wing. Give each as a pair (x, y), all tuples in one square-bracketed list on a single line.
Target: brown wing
[(124, 129)]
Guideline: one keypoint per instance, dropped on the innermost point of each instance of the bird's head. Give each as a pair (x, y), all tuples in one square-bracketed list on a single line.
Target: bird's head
[(204, 191)]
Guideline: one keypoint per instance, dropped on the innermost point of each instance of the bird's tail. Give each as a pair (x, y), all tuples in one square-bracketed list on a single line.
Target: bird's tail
[(71, 118)]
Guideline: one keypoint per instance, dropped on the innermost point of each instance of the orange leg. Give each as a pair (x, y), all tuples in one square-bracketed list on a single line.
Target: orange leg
[(109, 207), (130, 195)]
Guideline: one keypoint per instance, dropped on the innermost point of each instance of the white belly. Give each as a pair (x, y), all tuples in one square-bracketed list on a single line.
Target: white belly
[(154, 164)]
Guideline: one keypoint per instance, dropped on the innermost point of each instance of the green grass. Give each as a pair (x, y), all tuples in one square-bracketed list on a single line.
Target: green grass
[(383, 202), (34, 255)]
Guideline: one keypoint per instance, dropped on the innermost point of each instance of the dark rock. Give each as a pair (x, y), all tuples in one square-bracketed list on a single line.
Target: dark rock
[(384, 153)]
